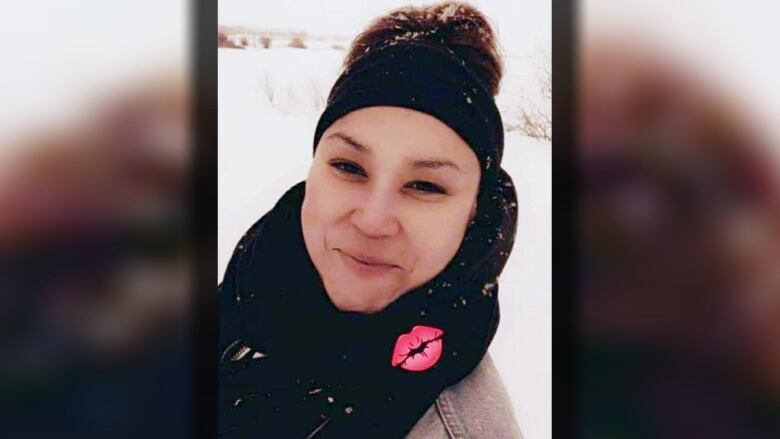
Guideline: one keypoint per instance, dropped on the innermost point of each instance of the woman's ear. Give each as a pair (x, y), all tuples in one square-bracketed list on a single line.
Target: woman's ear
[(473, 211)]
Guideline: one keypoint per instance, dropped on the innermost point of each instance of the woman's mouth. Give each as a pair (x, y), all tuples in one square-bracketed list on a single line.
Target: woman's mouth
[(364, 268)]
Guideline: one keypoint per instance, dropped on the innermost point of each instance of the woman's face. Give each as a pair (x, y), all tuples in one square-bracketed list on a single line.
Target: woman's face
[(388, 198)]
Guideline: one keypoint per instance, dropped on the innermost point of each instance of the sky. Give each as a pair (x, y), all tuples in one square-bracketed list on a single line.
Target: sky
[(524, 27)]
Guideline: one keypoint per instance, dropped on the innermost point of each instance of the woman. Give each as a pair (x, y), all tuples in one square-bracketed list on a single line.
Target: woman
[(363, 303)]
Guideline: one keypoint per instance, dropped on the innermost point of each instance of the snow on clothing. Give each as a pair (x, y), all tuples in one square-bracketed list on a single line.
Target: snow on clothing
[(292, 365)]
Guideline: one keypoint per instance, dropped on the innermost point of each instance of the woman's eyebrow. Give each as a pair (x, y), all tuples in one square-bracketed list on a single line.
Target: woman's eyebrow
[(351, 142), (432, 163)]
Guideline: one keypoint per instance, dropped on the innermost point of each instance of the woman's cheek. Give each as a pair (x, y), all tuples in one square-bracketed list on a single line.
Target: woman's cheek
[(437, 238), (338, 194), (330, 196)]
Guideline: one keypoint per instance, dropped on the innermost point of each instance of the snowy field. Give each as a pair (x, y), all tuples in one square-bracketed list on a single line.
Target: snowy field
[(269, 103)]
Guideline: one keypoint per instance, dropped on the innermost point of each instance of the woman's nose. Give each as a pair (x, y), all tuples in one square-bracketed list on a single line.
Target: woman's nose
[(375, 216)]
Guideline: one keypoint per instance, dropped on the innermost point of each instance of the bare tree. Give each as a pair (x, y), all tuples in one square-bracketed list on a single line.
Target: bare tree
[(267, 88), (223, 40), (298, 41), (316, 95), (535, 120)]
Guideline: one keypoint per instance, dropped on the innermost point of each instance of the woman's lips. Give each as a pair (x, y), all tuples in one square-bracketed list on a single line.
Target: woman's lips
[(419, 349), (362, 268)]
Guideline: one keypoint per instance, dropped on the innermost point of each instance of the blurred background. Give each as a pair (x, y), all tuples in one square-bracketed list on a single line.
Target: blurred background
[(277, 63), (94, 243), (679, 221), (679, 296)]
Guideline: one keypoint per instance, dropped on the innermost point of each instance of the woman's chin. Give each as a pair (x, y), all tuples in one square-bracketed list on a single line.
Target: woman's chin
[(355, 302)]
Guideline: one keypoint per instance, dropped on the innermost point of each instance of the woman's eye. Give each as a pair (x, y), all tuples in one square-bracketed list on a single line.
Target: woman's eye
[(349, 168), (428, 187), (352, 169)]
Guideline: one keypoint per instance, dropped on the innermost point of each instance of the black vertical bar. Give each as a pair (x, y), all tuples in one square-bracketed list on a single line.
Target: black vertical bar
[(203, 208), (565, 220)]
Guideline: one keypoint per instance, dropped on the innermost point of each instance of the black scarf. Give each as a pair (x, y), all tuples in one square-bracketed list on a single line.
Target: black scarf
[(292, 365)]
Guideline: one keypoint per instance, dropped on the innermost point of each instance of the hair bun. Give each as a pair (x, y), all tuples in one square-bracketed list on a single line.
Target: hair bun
[(456, 26)]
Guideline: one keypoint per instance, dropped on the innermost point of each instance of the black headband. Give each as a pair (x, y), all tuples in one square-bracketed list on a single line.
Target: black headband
[(426, 78)]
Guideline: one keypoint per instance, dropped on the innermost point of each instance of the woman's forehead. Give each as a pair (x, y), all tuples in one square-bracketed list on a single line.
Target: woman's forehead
[(391, 118), (401, 132)]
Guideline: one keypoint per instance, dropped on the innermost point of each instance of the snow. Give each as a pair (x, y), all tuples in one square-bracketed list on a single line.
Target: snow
[(448, 12), (265, 148)]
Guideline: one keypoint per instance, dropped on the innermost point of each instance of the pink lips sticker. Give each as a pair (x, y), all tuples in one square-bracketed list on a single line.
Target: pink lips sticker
[(418, 350)]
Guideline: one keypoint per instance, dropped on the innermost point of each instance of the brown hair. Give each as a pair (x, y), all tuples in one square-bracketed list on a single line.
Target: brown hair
[(456, 26)]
